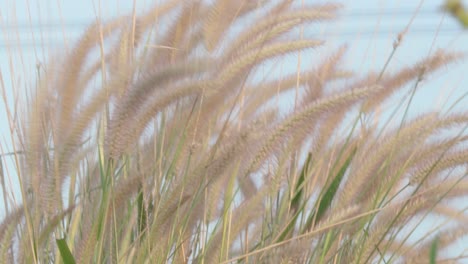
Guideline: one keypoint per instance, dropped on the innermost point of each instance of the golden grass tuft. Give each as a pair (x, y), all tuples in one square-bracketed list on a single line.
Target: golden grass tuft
[(178, 155)]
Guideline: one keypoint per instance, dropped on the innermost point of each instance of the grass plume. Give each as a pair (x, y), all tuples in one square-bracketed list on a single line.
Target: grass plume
[(152, 141)]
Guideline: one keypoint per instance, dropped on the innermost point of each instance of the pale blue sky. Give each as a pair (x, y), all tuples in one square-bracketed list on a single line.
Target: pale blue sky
[(369, 28)]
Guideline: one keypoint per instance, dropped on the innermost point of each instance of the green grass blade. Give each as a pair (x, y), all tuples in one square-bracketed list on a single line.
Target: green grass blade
[(142, 221), (65, 252), (433, 251), (295, 203), (326, 199), (298, 192)]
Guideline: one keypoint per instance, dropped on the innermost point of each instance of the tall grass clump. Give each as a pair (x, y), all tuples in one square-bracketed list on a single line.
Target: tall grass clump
[(152, 140)]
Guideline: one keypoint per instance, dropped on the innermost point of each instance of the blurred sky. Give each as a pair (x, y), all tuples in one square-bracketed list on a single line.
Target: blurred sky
[(30, 29)]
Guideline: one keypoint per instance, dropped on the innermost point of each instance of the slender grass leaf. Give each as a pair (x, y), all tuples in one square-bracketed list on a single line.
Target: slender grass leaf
[(433, 250), (65, 252), (298, 192), (326, 199), (325, 202), (142, 221), (296, 200)]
